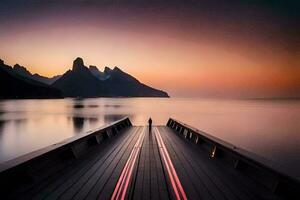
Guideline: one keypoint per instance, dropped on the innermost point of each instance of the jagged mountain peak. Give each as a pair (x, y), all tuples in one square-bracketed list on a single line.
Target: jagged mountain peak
[(116, 68), (93, 67), (97, 73), (17, 82), (81, 81), (21, 70), (78, 64), (107, 70), (17, 66)]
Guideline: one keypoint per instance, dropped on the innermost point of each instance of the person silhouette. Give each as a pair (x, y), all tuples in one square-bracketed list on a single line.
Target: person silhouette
[(150, 123)]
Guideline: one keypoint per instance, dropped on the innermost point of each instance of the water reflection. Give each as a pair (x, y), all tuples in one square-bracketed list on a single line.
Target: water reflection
[(19, 122), (76, 106), (78, 103), (78, 123), (109, 118), (2, 123), (93, 106), (113, 106), (93, 120)]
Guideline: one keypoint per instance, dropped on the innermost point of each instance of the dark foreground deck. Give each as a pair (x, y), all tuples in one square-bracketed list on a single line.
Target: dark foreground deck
[(141, 164)]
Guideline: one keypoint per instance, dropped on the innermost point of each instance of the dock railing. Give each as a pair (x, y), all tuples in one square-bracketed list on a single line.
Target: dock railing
[(27, 168), (279, 183)]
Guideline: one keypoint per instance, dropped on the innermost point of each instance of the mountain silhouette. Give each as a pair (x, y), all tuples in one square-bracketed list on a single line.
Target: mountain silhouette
[(91, 82), (80, 82), (12, 85), (22, 71), (123, 84), (45, 79), (96, 72)]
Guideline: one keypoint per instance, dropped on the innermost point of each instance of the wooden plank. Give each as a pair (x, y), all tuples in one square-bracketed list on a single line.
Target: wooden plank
[(196, 171), (238, 180), (109, 176), (218, 173), (66, 179), (263, 172), (245, 188), (146, 180), (110, 185), (186, 175), (153, 169), (27, 189), (162, 179), (84, 182), (137, 192), (150, 180), (196, 160)]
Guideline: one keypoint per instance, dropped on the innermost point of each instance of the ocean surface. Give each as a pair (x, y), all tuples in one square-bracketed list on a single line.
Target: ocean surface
[(267, 128)]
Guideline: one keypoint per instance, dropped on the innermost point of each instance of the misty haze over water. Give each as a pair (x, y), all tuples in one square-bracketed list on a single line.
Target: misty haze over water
[(268, 128)]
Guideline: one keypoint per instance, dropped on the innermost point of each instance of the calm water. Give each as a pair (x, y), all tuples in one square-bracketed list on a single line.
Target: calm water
[(270, 129)]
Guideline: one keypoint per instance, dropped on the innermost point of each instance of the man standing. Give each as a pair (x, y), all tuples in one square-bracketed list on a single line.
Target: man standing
[(150, 123)]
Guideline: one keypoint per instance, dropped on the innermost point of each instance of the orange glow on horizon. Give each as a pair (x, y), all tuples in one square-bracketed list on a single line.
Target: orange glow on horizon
[(183, 62)]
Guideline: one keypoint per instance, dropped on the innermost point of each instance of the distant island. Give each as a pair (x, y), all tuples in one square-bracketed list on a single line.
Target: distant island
[(81, 81)]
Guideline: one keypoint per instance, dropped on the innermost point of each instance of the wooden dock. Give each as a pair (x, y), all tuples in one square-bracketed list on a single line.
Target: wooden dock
[(121, 161)]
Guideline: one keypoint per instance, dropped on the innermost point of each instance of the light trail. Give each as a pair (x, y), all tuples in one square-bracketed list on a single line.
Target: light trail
[(125, 177), (175, 182)]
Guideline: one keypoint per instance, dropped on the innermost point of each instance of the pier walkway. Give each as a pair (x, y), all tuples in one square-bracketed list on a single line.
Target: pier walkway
[(130, 162)]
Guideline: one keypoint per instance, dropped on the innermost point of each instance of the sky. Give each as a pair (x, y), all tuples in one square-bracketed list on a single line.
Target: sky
[(188, 48)]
